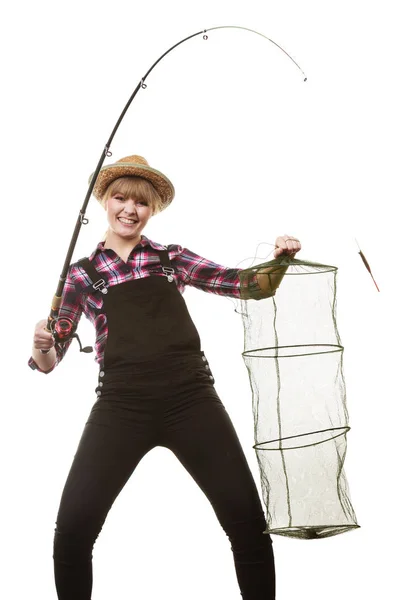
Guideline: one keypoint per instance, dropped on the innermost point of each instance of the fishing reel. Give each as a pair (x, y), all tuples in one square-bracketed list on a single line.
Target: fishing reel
[(63, 330)]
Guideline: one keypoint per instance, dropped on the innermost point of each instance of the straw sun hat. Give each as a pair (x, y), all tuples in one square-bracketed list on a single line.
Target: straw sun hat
[(134, 166)]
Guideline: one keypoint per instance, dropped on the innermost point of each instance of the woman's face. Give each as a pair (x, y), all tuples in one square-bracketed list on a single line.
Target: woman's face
[(127, 217)]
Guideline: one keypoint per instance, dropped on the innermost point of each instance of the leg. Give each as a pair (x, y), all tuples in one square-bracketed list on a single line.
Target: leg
[(208, 447), (104, 461)]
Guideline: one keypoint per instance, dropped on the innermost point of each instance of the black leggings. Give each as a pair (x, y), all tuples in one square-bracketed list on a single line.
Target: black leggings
[(174, 405)]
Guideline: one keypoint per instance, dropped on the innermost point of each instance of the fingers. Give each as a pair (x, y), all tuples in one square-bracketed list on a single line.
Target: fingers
[(278, 251), (286, 244), (293, 244), (42, 339)]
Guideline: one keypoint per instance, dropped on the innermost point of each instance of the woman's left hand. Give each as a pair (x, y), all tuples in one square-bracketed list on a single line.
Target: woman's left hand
[(286, 244)]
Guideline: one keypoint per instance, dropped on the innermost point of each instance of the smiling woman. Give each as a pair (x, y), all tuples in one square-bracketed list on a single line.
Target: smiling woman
[(130, 200), (129, 203), (155, 385)]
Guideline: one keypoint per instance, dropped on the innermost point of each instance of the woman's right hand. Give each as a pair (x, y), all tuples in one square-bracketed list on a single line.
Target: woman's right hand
[(42, 339)]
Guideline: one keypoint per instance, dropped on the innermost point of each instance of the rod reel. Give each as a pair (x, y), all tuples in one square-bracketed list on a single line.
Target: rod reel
[(63, 329)]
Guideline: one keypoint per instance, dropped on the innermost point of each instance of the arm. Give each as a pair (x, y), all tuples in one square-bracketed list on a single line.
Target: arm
[(43, 340), (208, 276), (204, 274)]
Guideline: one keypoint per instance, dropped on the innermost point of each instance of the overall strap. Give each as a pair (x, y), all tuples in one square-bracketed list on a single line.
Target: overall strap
[(167, 268), (98, 282)]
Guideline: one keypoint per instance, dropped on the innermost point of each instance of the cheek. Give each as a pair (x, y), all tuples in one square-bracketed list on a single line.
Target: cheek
[(145, 214), (110, 216)]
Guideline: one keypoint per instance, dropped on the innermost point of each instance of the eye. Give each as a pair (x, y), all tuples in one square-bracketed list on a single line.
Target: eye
[(118, 197)]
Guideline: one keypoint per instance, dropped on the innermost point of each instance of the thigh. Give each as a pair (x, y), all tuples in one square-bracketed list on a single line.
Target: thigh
[(104, 460), (208, 447)]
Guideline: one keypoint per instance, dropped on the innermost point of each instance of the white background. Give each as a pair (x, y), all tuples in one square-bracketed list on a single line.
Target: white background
[(253, 152)]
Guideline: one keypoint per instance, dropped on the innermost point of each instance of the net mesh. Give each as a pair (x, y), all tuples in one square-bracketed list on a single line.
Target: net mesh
[(294, 358)]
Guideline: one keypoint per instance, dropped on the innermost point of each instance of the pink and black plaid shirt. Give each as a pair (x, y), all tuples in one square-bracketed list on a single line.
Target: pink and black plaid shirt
[(190, 269)]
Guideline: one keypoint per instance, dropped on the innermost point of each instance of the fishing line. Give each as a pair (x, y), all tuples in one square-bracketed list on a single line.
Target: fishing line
[(63, 328)]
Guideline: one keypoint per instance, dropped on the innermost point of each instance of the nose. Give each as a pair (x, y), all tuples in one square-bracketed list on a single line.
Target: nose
[(130, 206)]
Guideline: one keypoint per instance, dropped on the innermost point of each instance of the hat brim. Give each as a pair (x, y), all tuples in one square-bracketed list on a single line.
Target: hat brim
[(109, 173)]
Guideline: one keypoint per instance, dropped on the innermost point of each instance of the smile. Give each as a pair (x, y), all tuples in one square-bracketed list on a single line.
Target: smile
[(126, 221)]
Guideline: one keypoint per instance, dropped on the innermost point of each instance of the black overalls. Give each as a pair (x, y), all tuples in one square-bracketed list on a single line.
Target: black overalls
[(156, 389)]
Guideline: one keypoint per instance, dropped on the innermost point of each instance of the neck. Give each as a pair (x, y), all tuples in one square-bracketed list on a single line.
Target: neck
[(120, 245)]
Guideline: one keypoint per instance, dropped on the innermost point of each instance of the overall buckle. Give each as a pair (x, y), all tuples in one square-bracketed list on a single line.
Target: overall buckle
[(100, 284), (168, 273)]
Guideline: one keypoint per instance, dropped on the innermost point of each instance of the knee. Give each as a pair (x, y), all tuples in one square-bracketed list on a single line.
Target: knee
[(247, 534), (74, 543)]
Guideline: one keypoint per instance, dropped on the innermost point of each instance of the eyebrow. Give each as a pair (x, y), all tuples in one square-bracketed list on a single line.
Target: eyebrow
[(124, 196)]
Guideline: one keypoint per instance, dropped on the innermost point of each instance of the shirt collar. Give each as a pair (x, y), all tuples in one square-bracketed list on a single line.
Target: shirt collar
[(145, 241)]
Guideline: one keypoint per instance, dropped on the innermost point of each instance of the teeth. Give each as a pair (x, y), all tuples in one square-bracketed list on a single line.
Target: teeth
[(128, 221)]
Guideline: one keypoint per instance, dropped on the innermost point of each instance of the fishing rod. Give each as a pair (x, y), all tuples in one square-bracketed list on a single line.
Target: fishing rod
[(63, 328)]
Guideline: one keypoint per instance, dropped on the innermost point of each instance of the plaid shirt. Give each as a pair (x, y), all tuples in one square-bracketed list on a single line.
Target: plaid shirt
[(190, 269)]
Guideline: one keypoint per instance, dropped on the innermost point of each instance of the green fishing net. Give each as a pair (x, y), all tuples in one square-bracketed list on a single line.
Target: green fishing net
[(294, 358)]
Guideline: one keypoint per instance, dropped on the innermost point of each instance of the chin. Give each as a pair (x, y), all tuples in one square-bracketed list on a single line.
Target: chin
[(125, 233)]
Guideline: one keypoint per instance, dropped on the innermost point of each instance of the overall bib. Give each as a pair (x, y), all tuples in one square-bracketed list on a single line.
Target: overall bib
[(156, 388)]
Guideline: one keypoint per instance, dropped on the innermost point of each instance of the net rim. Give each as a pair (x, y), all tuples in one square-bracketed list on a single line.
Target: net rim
[(337, 348), (319, 268), (312, 532), (343, 430)]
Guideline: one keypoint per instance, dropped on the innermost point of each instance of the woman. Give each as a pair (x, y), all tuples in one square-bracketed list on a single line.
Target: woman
[(155, 385)]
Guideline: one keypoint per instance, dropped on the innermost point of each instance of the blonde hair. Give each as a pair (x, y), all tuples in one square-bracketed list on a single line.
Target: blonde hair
[(134, 187)]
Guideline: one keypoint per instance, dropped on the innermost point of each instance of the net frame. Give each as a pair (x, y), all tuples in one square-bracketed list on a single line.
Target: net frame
[(304, 487)]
